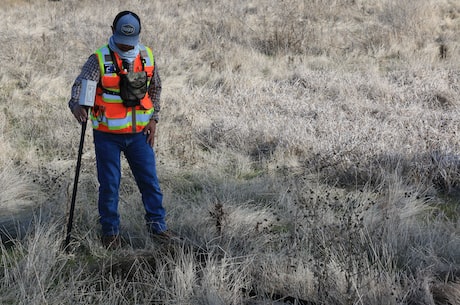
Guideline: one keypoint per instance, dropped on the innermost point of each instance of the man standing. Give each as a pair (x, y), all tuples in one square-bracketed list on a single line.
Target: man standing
[(124, 119)]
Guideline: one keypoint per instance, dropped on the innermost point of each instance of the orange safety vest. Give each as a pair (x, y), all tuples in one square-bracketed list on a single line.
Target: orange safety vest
[(109, 114)]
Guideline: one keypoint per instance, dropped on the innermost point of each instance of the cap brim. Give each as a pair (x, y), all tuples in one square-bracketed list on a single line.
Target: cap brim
[(126, 40)]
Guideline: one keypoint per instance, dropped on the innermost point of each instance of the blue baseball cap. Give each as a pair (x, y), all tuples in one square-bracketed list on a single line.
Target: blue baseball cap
[(126, 28)]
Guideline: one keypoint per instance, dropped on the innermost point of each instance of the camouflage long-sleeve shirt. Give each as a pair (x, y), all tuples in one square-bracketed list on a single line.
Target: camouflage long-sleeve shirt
[(91, 71)]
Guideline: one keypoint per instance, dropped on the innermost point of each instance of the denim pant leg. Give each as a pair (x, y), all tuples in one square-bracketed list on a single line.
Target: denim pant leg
[(108, 150), (141, 159)]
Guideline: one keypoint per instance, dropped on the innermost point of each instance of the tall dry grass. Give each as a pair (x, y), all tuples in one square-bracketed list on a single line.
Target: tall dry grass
[(307, 148)]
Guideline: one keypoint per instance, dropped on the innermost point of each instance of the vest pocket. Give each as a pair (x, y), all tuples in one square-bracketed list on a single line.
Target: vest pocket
[(110, 82), (133, 87), (146, 102), (115, 111)]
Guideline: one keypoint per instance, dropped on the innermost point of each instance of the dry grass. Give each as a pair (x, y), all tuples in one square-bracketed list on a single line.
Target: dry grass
[(309, 148)]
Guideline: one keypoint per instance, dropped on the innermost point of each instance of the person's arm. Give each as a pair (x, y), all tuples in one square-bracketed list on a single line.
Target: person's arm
[(154, 93), (90, 71)]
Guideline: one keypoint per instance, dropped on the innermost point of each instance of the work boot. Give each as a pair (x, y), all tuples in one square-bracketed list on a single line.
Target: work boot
[(167, 236), (111, 242)]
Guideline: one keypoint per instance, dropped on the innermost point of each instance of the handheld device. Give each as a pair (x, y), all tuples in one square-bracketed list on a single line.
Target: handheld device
[(88, 93)]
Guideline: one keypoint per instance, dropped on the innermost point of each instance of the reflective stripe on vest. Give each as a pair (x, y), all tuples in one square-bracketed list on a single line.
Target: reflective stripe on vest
[(123, 125), (109, 114)]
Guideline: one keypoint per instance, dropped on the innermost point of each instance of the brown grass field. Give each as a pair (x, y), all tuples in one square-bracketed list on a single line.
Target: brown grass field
[(309, 149)]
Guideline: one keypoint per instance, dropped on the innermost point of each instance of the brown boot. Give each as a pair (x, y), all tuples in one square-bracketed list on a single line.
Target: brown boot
[(111, 242), (166, 237)]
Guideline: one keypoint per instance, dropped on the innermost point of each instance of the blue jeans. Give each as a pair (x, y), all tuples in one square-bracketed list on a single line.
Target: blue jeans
[(141, 160)]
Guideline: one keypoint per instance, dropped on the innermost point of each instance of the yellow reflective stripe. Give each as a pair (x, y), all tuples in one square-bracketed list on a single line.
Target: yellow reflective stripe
[(111, 98), (150, 60), (101, 58)]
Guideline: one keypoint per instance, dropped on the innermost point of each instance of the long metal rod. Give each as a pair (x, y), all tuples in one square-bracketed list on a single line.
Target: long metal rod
[(75, 186)]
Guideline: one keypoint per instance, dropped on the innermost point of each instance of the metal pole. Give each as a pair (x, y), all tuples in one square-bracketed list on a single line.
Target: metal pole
[(75, 186)]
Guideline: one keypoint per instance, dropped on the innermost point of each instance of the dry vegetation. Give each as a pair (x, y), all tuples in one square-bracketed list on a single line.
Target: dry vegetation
[(309, 148)]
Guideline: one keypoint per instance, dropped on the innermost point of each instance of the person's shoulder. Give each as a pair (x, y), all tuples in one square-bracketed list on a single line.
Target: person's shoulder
[(142, 46), (92, 58), (103, 47), (145, 51)]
